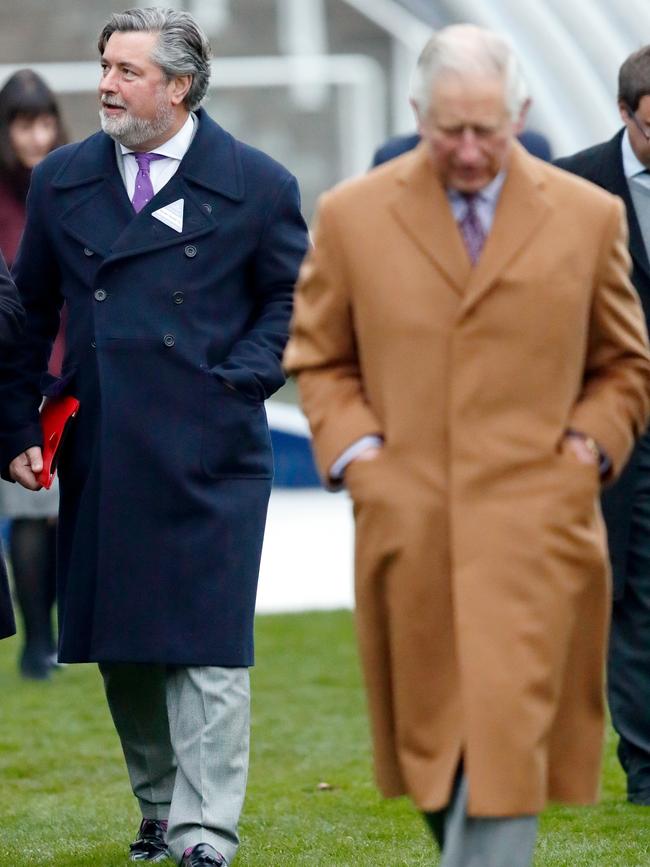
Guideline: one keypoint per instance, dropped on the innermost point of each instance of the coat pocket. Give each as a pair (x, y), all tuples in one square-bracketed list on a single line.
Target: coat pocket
[(236, 442)]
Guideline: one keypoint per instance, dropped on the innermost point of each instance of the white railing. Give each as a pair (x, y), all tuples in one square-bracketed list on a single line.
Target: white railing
[(570, 50), (409, 35), (302, 31), (358, 79)]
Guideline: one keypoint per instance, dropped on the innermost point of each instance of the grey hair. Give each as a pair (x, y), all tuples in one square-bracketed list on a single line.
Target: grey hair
[(182, 47), (465, 49)]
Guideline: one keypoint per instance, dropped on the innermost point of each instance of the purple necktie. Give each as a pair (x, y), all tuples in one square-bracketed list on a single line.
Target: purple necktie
[(143, 193), (472, 229)]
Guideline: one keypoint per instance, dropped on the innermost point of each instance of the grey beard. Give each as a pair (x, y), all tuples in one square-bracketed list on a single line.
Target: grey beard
[(133, 131)]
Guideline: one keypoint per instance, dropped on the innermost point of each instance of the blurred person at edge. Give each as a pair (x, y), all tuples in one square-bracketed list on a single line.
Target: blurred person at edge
[(535, 143), (622, 166), (11, 315), (176, 249), (474, 363), (30, 127)]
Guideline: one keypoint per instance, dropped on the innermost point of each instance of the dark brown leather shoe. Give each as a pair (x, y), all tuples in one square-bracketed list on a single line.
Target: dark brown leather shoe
[(202, 855), (151, 844)]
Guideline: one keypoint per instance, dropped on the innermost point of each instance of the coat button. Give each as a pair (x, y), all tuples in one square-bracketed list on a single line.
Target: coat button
[(178, 297), (168, 340), (88, 252), (191, 251), (93, 345), (100, 295), (207, 207)]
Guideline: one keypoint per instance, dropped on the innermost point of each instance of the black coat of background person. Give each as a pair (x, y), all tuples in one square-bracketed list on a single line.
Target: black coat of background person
[(603, 165), (10, 322), (534, 142), (626, 509), (174, 341)]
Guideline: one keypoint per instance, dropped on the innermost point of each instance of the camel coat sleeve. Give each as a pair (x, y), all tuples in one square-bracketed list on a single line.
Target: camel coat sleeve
[(614, 404), (323, 350)]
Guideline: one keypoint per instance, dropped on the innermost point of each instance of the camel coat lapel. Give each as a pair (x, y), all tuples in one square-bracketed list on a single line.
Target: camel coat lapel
[(521, 209), (422, 210)]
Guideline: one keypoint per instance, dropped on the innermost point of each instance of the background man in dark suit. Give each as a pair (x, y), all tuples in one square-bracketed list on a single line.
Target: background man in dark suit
[(11, 314), (621, 166), (176, 249), (534, 142)]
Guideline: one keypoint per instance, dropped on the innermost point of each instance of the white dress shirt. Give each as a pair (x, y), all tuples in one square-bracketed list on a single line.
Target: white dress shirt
[(485, 202), (632, 165), (161, 171)]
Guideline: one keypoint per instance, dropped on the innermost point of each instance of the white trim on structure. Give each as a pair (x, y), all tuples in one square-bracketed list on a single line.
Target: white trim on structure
[(359, 78)]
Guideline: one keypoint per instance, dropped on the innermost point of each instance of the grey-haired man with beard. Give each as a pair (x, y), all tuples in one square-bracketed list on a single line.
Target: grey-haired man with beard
[(176, 249)]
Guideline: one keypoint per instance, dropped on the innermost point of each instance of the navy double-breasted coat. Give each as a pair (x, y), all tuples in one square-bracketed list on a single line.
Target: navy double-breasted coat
[(174, 340)]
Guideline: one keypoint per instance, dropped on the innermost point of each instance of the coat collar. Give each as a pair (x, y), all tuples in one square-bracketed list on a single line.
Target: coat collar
[(422, 208), (212, 146), (101, 217)]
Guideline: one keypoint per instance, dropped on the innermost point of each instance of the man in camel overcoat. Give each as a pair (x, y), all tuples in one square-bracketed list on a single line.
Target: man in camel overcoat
[(474, 364)]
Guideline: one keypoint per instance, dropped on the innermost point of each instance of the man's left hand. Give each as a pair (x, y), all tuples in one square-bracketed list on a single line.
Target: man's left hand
[(581, 449)]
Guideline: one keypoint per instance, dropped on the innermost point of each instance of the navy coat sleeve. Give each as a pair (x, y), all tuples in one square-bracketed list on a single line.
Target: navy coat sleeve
[(254, 363), (11, 315), (37, 278), (11, 311)]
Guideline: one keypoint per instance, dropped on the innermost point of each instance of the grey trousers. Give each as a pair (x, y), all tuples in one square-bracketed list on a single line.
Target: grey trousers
[(185, 736), (481, 842)]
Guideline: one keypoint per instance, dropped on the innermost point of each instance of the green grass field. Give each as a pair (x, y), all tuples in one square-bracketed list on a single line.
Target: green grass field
[(65, 801)]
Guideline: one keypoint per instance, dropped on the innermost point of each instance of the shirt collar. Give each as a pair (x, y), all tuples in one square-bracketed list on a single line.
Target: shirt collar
[(176, 147), (489, 194), (632, 165)]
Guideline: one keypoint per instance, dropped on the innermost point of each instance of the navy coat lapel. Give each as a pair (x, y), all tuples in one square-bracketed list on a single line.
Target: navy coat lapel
[(610, 175), (101, 217), (96, 206)]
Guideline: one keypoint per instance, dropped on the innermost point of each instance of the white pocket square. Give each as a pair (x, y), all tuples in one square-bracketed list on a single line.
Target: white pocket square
[(171, 215)]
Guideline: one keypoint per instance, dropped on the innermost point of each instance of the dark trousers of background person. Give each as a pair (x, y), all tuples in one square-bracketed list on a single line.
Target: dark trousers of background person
[(629, 650), (32, 552)]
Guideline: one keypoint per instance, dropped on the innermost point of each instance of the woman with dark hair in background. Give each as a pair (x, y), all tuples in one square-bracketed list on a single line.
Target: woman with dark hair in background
[(30, 127)]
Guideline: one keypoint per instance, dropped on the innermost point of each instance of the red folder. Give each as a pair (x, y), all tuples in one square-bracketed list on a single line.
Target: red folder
[(56, 414)]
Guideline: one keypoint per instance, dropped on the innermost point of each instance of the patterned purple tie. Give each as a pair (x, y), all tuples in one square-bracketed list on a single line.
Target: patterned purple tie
[(472, 228), (143, 193)]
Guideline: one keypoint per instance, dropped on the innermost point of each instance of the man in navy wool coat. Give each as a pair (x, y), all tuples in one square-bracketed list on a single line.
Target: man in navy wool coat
[(175, 248)]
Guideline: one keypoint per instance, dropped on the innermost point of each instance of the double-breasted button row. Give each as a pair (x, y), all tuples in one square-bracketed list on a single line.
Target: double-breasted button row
[(168, 340), (100, 295)]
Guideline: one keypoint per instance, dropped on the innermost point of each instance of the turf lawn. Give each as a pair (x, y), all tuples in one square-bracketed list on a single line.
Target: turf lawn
[(64, 796)]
